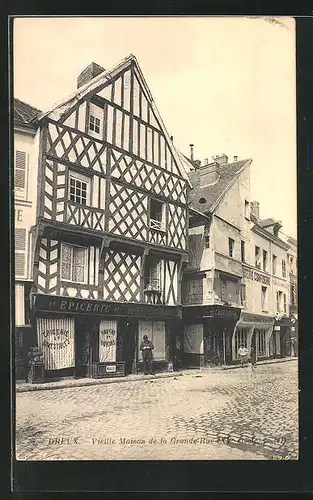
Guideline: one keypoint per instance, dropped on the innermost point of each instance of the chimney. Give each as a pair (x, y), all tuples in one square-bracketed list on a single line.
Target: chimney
[(172, 138), (191, 151), (255, 209), (220, 159), (88, 74), (235, 158), (206, 161), (198, 162)]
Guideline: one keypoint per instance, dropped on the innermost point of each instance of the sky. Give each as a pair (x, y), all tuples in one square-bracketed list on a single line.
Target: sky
[(224, 84)]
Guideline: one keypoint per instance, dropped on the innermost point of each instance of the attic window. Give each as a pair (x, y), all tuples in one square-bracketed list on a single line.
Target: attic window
[(202, 200)]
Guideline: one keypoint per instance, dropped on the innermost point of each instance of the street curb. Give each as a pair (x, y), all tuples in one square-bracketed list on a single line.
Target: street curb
[(50, 386), (284, 360)]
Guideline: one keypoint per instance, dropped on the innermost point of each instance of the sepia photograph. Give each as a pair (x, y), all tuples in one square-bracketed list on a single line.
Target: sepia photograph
[(154, 176)]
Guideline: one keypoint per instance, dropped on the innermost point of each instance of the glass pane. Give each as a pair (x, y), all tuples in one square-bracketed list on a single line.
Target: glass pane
[(66, 262), (79, 264)]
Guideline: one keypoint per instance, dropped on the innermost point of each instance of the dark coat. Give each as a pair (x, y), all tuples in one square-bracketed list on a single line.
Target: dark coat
[(146, 347)]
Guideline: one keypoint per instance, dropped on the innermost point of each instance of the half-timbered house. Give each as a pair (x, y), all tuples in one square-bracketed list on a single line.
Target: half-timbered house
[(111, 235)]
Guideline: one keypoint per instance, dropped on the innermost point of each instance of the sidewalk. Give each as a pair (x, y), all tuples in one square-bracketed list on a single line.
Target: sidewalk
[(81, 382)]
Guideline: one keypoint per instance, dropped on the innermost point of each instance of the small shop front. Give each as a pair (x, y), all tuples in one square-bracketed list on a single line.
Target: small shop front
[(286, 337), (208, 331), (91, 338), (253, 330)]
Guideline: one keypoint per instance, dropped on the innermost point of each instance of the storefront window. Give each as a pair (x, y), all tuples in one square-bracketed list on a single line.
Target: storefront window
[(241, 338)]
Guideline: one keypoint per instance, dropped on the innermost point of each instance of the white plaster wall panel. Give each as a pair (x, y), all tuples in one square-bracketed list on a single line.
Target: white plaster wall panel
[(82, 117), (102, 193), (95, 191), (119, 120)]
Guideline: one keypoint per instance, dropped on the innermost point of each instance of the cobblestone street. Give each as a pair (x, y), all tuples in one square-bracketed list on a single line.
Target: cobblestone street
[(232, 414)]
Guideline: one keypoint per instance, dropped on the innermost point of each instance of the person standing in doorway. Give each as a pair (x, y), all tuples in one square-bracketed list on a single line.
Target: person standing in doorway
[(242, 354), (253, 357), (146, 348)]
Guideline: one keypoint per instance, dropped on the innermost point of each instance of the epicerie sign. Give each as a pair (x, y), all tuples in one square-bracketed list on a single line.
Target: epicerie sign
[(56, 338)]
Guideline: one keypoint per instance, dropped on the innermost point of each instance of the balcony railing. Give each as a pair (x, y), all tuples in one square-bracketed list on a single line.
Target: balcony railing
[(152, 291), (227, 264), (156, 224)]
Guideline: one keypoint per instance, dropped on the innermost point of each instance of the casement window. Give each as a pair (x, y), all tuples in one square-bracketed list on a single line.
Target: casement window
[(243, 256), (264, 298), (20, 173), (157, 212), (247, 209), (274, 264), (73, 263), (257, 254), (94, 124), (231, 245), (20, 252), (241, 339), (243, 295), (265, 260), (283, 268), (79, 189)]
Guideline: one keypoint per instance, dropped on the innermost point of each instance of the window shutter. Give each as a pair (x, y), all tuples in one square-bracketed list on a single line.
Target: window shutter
[(20, 252), (20, 170)]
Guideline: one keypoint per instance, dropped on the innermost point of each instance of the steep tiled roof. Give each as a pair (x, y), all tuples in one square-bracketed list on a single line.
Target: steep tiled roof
[(23, 112), (213, 193)]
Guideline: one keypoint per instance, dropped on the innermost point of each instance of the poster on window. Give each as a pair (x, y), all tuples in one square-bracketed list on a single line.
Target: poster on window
[(56, 340), (193, 339), (107, 341)]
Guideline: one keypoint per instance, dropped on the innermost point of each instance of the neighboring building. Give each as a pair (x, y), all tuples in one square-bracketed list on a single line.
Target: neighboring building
[(111, 235), (213, 277), (25, 160), (236, 281), (265, 287)]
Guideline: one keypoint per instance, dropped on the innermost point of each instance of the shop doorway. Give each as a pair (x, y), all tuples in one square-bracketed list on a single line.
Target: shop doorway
[(82, 349), (127, 341)]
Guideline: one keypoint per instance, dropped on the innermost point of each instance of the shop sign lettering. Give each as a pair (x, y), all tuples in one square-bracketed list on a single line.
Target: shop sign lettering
[(55, 338), (79, 306), (107, 337), (250, 274)]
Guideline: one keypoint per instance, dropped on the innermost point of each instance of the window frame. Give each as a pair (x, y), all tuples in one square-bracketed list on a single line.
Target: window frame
[(21, 252), (81, 178), (231, 247), (21, 193), (274, 265), (265, 260), (264, 298), (153, 223), (283, 268), (257, 257), (243, 251), (85, 282)]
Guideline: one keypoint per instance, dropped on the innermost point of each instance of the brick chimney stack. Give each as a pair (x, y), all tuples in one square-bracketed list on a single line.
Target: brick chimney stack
[(255, 209), (88, 74)]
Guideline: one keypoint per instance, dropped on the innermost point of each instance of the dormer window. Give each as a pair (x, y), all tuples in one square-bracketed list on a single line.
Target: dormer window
[(157, 215), (95, 121), (202, 201)]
